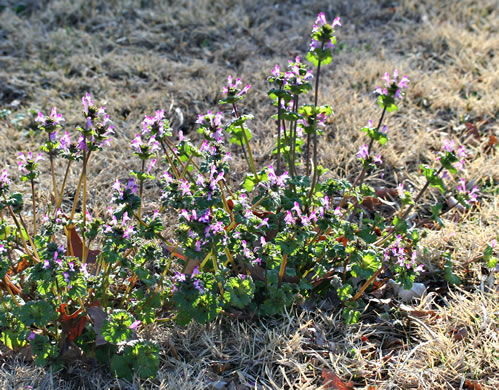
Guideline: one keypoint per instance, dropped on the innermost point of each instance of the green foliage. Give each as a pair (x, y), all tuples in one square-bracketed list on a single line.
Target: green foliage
[(116, 327)]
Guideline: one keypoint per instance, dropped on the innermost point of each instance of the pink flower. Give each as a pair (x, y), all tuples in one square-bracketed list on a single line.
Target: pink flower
[(128, 231), (276, 72), (363, 152)]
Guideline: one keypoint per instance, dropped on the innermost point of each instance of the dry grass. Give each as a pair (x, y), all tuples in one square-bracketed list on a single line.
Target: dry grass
[(138, 56)]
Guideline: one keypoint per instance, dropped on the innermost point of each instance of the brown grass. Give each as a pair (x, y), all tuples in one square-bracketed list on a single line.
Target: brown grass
[(138, 56)]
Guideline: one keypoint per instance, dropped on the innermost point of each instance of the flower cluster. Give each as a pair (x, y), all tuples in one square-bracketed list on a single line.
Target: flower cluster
[(397, 254), (122, 228), (448, 152), (364, 155), (322, 32), (156, 126), (28, 164), (4, 181), (234, 91), (322, 40), (393, 86), (145, 150), (467, 196), (98, 127)]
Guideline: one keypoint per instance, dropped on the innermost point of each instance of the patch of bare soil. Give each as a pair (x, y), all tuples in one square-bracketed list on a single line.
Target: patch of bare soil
[(137, 56)]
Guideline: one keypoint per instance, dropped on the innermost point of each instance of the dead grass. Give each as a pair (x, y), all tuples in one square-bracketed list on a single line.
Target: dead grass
[(138, 56)]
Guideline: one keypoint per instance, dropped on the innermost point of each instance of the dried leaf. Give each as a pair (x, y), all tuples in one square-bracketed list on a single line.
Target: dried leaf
[(343, 240), (473, 385), (191, 264), (386, 193), (21, 266), (491, 144), (7, 283), (472, 130), (370, 203), (459, 334), (76, 247), (73, 324), (97, 315), (332, 381)]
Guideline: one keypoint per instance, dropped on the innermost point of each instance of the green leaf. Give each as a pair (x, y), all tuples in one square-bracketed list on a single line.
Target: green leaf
[(435, 214), (432, 177), (40, 313), (345, 292), (145, 359), (400, 225), (449, 275), (313, 58), (375, 135), (367, 235), (488, 257), (249, 182), (43, 350), (239, 292), (78, 288), (122, 366), (350, 316), (15, 337), (116, 328)]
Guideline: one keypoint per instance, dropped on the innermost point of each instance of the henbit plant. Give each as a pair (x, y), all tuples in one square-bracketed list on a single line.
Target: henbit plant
[(256, 248)]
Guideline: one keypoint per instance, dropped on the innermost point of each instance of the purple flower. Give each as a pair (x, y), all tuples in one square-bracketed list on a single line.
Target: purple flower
[(403, 82), (178, 277), (210, 119), (151, 165), (28, 161), (137, 142), (53, 119), (288, 219), (87, 102), (321, 19), (276, 72), (206, 217), (185, 187), (31, 336), (4, 179), (377, 159), (265, 222), (128, 231), (296, 208), (131, 186), (167, 177), (448, 146), (84, 270), (392, 84), (198, 285), (233, 88), (461, 152), (461, 187), (82, 144), (473, 194), (363, 152), (195, 271), (134, 325)]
